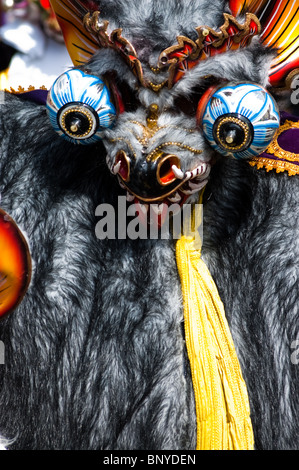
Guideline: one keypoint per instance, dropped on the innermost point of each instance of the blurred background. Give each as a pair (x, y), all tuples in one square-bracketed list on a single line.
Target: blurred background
[(32, 51)]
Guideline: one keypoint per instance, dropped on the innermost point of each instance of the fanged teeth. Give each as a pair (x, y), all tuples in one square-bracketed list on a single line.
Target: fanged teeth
[(178, 172), (130, 197), (194, 181), (115, 169), (158, 208), (194, 187), (143, 207), (175, 197), (198, 171)]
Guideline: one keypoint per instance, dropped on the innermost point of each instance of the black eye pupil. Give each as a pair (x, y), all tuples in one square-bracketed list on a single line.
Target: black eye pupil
[(77, 123), (232, 134)]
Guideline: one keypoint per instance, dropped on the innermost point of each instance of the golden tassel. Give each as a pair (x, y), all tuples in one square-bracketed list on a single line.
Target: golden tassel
[(222, 406)]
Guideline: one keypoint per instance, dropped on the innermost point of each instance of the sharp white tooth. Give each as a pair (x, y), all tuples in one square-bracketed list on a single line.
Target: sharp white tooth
[(198, 187), (121, 184), (194, 185), (178, 172), (205, 171), (115, 168), (200, 170), (175, 209), (143, 207), (158, 208), (130, 197), (175, 197)]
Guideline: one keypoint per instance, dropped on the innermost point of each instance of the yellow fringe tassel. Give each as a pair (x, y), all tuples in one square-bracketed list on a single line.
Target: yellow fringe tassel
[(222, 406)]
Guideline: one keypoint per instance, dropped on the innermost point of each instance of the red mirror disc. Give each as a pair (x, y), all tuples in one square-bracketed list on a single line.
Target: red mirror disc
[(15, 264)]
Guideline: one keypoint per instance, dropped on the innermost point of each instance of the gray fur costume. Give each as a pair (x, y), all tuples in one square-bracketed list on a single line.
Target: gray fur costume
[(95, 354)]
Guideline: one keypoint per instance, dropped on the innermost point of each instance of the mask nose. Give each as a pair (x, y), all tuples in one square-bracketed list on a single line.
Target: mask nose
[(167, 165), (149, 177), (153, 175)]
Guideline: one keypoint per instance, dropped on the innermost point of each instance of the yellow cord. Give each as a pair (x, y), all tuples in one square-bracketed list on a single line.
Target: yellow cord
[(222, 407)]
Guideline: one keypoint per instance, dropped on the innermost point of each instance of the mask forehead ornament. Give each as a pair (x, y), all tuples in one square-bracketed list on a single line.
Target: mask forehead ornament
[(85, 31), (276, 21), (232, 35), (186, 53)]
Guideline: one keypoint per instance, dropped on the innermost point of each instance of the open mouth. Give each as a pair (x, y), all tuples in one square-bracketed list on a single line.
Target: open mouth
[(155, 210)]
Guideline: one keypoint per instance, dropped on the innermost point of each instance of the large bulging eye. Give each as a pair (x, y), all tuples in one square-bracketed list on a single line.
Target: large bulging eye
[(238, 120), (80, 107)]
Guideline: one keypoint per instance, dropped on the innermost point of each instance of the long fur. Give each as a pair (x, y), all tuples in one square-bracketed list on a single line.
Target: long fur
[(95, 355)]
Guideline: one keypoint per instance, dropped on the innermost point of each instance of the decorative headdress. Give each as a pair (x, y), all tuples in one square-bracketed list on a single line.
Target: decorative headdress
[(186, 53), (85, 32), (279, 20)]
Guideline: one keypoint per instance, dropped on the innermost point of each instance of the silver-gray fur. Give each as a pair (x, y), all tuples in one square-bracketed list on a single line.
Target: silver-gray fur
[(95, 354)]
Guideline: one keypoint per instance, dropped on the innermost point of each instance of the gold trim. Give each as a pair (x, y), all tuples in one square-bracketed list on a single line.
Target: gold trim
[(241, 124), (275, 149), (157, 86), (152, 156), (23, 90), (155, 70), (81, 110), (149, 133), (152, 116), (203, 31), (278, 165), (93, 24), (161, 162), (123, 153), (122, 139), (290, 77), (285, 158)]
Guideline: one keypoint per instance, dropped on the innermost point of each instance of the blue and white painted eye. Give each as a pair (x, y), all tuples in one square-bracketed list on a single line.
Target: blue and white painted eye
[(80, 108), (239, 120)]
